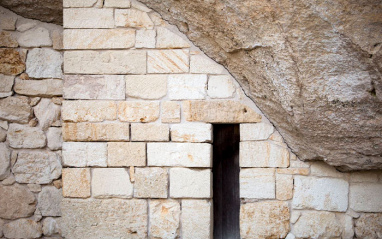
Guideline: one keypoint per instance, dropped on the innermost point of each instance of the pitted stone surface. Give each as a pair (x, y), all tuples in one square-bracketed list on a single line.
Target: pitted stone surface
[(16, 201), (196, 219), (11, 62), (23, 136), (22, 228), (164, 218), (44, 63), (96, 131), (369, 225), (151, 182), (77, 154), (15, 109), (49, 201)]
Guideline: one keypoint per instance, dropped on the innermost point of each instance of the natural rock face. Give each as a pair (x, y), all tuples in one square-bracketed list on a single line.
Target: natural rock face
[(16, 201), (49, 201), (312, 67)]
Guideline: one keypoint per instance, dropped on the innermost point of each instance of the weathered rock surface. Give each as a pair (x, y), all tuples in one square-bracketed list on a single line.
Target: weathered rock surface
[(5, 156), (164, 218), (23, 228), (312, 67), (11, 62), (51, 226), (23, 136), (49, 201), (15, 109), (47, 113), (44, 63), (369, 225), (16, 201)]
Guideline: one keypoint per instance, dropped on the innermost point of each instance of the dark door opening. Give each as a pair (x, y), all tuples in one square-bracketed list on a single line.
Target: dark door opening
[(226, 171)]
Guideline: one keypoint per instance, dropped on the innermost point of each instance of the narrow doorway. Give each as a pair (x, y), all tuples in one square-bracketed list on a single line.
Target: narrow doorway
[(226, 194)]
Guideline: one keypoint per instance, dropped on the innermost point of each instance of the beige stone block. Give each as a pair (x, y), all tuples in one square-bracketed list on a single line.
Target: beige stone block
[(219, 112), (76, 3), (368, 176), (78, 154), (284, 187), (164, 219), (94, 87), (96, 131), (7, 20), (105, 62), (263, 154), (99, 38), (168, 61), (23, 136), (294, 171), (49, 201), (126, 154), (132, 18), (7, 40), (108, 218), (149, 87), (257, 183), (170, 112), (321, 169), (51, 226), (369, 225), (16, 201), (258, 131), (296, 163), (313, 224), (117, 3), (88, 18), (221, 87), (145, 38), (84, 110), (111, 183), (35, 37), (190, 183), (22, 228), (138, 111), (151, 183), (196, 219), (187, 87), (44, 63), (58, 39), (12, 62), (191, 132), (5, 161), (203, 64), (42, 88), (76, 182), (366, 197), (168, 39), (15, 109), (150, 132), (6, 83), (269, 219), (179, 154), (47, 113), (329, 194)]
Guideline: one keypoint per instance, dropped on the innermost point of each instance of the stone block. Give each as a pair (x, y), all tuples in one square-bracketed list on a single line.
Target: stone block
[(257, 183), (168, 39), (23, 136), (191, 132), (145, 38), (117, 3), (5, 161), (164, 219), (258, 131), (151, 183), (15, 109), (42, 88), (88, 18), (150, 132), (44, 63), (366, 197), (39, 167), (126, 154), (96, 131), (109, 218), (221, 87), (94, 87), (47, 113), (16, 201), (35, 37), (369, 225), (179, 154), (203, 64), (75, 3), (366, 176), (54, 138), (187, 87), (51, 226), (76, 183), (284, 187), (168, 61), (86, 110), (22, 228), (49, 201), (313, 224), (7, 20), (219, 112), (11, 62), (119, 38), (149, 87), (105, 62), (329, 194), (78, 154), (6, 83), (170, 112), (138, 111), (294, 171), (321, 169), (132, 18), (7, 40), (269, 219), (111, 182), (57, 38), (190, 183), (196, 219), (263, 154)]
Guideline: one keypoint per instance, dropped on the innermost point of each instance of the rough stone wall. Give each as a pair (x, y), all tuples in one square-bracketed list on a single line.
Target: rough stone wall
[(30, 127), (140, 101)]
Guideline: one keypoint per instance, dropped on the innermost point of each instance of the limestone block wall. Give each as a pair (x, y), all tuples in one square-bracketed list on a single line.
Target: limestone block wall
[(31, 89)]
